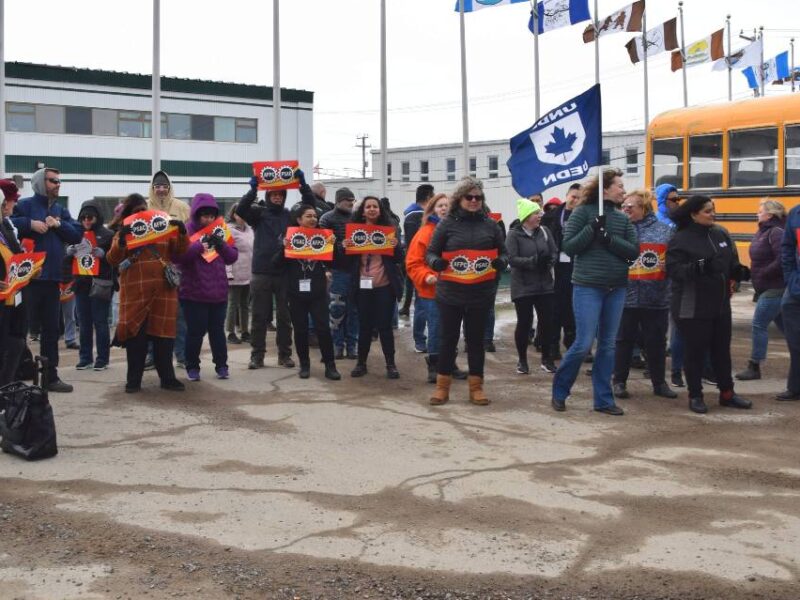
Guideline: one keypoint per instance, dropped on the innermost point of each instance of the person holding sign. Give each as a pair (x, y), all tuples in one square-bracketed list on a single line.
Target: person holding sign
[(467, 250), (94, 285), (12, 310), (148, 300), (307, 278), (376, 283), (203, 291)]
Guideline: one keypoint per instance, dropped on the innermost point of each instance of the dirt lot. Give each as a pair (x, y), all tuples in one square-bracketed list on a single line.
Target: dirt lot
[(266, 486)]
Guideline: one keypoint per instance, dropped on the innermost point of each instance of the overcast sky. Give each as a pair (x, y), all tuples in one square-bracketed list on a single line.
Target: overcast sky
[(331, 47)]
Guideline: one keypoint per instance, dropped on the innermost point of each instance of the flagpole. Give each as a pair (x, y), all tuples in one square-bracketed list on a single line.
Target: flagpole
[(155, 117), (464, 107), (597, 82), (2, 89), (683, 57), (535, 12), (761, 67), (646, 86), (384, 107), (791, 44), (276, 80), (727, 59)]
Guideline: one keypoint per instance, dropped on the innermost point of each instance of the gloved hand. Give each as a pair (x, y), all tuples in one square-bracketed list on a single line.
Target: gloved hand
[(742, 273), (253, 183), (98, 252), (546, 263), (699, 266), (499, 264), (439, 264), (301, 177), (605, 237), (214, 242), (71, 250), (599, 223), (179, 224)]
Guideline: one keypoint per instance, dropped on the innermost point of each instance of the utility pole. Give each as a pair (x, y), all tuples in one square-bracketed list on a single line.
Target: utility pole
[(363, 145)]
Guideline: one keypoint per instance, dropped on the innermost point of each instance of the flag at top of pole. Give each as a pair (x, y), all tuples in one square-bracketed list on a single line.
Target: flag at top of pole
[(473, 5), (560, 147), (554, 14)]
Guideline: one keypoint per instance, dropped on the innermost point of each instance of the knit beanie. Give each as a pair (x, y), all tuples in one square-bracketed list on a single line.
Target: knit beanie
[(525, 208), (344, 194)]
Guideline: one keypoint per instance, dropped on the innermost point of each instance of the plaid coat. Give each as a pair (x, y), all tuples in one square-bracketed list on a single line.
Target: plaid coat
[(144, 296)]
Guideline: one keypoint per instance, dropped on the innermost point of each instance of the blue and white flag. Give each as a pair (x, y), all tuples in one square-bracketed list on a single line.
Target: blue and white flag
[(473, 5), (772, 70), (554, 14), (561, 146)]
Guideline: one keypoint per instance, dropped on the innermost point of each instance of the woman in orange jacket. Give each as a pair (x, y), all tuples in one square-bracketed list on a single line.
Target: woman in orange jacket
[(424, 279)]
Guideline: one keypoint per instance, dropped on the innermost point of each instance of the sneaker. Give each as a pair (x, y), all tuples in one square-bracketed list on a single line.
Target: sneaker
[(664, 391), (698, 405), (522, 368), (223, 373), (256, 362), (193, 374), (558, 405), (637, 362), (787, 396), (245, 337), (489, 346), (677, 379), (173, 385), (83, 365), (548, 366), (359, 371), (271, 327), (392, 372), (233, 339), (339, 354), (286, 361), (709, 378), (34, 338), (735, 401), (132, 388), (420, 349), (404, 312), (59, 387), (73, 346), (100, 365), (181, 364), (149, 364), (331, 372), (305, 372), (621, 391), (612, 410)]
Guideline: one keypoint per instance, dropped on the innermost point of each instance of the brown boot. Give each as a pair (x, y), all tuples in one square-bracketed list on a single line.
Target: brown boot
[(442, 393), (476, 395)]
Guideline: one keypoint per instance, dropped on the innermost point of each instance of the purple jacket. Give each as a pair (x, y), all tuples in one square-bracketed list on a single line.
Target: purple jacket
[(202, 281), (765, 256)]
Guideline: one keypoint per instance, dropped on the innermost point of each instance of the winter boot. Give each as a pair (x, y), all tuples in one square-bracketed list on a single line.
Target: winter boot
[(331, 372), (753, 371), (476, 395), (442, 393)]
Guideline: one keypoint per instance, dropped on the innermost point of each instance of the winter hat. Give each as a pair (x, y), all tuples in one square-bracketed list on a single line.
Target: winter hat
[(344, 194), (88, 210), (160, 178), (525, 208), (10, 190), (554, 201)]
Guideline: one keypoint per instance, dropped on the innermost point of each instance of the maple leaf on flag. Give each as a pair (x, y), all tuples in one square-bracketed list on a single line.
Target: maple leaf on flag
[(561, 143)]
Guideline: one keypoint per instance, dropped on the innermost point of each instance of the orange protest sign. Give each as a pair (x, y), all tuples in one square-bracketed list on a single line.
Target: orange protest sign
[(309, 244), (651, 264), (87, 265), (496, 217), (20, 269), (469, 266), (219, 229), (369, 239), (276, 174), (147, 227)]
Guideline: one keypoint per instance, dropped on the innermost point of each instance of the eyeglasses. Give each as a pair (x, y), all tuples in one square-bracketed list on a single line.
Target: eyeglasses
[(473, 197), (161, 186), (629, 206), (54, 180)]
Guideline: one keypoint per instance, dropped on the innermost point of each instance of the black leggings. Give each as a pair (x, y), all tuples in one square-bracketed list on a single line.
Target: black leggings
[(543, 304), (652, 323), (702, 337), (450, 318), (300, 307), (136, 351), (375, 311)]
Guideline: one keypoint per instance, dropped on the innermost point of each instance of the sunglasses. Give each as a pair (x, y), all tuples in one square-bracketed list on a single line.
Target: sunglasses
[(87, 217), (54, 180), (473, 197)]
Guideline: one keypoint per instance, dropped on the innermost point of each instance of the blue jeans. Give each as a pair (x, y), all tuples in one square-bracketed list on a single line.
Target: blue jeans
[(68, 311), (597, 314), (790, 308), (767, 310), (420, 319), (93, 316), (202, 318), (430, 310), (343, 312)]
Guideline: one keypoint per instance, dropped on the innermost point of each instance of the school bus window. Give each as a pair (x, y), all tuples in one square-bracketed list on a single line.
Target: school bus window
[(668, 161), (705, 161), (754, 157), (792, 155)]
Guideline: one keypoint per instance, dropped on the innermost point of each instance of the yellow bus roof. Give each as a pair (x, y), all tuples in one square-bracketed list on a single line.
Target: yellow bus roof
[(754, 112)]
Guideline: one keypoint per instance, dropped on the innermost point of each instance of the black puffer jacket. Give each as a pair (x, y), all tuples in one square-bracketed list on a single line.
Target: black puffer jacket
[(336, 220), (702, 294), (462, 230), (531, 258), (269, 225)]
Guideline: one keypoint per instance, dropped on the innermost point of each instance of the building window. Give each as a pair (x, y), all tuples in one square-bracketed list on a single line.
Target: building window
[(50, 119), (668, 161), (389, 172), (224, 129), (247, 131), (705, 161), (405, 171), (203, 128), (20, 117), (473, 167), (451, 169), (134, 124), (179, 127), (104, 122), (606, 157), (753, 157), (792, 155), (631, 161), (78, 120), (424, 170), (493, 167)]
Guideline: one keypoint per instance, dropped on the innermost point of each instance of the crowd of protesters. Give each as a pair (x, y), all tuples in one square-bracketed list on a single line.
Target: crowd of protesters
[(616, 279)]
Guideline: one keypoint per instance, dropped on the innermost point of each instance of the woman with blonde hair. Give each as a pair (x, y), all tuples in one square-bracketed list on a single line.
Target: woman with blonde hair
[(767, 277)]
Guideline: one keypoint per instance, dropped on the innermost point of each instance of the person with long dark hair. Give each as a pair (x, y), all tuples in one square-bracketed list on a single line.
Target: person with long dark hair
[(148, 304), (703, 263), (467, 226), (376, 286)]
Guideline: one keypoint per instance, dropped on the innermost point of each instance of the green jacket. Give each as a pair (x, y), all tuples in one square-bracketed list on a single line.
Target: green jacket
[(595, 264)]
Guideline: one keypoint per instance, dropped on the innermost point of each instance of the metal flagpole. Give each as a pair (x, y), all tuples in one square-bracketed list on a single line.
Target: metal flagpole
[(727, 59), (464, 107), (155, 117), (2, 89), (597, 81), (276, 80), (384, 107), (761, 66), (535, 7), (791, 44), (683, 57), (644, 59)]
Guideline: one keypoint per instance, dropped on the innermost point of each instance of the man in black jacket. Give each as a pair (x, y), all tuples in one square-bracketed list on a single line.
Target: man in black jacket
[(411, 224), (269, 223)]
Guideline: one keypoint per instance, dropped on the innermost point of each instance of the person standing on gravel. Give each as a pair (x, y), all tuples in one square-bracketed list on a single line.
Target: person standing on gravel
[(790, 305)]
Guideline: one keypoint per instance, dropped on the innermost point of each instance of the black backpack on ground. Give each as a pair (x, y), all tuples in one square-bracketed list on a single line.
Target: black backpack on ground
[(26, 370), (27, 425)]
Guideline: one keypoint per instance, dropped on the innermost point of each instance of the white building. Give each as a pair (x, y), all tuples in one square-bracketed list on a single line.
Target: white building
[(442, 165), (94, 126)]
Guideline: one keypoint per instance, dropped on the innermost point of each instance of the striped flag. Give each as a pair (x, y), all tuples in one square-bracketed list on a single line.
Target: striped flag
[(774, 69), (628, 18), (659, 39), (702, 51), (473, 5)]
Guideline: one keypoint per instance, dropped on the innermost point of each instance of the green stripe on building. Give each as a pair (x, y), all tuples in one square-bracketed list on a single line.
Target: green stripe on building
[(84, 165)]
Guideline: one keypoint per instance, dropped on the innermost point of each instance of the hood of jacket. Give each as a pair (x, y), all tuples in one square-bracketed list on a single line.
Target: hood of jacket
[(37, 182), (92, 206), (156, 203), (662, 191), (413, 207), (199, 202)]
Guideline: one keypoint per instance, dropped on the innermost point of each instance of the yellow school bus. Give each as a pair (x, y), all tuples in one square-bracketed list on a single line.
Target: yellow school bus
[(737, 153)]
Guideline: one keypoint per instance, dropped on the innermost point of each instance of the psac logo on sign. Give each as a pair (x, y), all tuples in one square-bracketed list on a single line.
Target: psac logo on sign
[(270, 174), (464, 266), (159, 223), (317, 243), (298, 241), (139, 228), (360, 237)]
